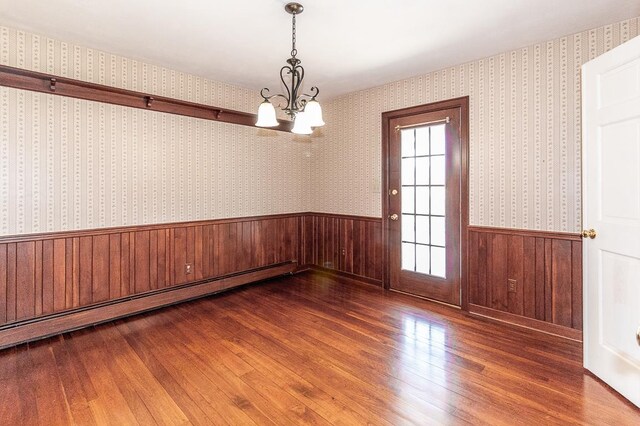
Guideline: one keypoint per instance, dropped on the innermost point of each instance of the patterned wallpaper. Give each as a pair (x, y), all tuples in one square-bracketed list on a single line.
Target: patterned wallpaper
[(73, 164), (525, 133)]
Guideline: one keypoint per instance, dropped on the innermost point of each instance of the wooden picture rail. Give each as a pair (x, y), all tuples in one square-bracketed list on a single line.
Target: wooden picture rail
[(18, 78)]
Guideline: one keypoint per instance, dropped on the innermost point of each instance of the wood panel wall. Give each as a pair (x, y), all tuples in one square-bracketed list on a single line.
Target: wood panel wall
[(351, 245), (48, 274), (547, 269), (73, 279)]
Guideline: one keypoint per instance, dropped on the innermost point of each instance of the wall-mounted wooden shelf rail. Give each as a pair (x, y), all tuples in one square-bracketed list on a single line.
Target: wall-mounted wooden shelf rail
[(39, 82)]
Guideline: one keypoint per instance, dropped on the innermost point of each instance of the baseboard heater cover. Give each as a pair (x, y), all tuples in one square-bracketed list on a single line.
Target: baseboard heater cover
[(51, 325)]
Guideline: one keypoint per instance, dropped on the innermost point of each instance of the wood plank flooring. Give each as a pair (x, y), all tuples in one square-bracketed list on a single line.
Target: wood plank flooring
[(307, 349)]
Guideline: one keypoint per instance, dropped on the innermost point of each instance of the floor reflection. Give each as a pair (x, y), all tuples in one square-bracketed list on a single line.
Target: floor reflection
[(424, 349)]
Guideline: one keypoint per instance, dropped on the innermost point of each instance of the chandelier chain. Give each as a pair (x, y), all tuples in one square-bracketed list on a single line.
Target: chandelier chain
[(294, 51)]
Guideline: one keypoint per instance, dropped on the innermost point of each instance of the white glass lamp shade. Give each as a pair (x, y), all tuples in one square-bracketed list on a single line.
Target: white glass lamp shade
[(301, 124), (266, 115), (313, 110)]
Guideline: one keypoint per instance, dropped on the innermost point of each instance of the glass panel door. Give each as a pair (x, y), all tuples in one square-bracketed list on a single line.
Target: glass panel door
[(423, 201), (423, 181)]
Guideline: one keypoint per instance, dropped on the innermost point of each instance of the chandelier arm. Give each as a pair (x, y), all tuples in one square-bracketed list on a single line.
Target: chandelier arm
[(279, 95), (313, 96), (296, 83), (294, 92), (301, 103), (288, 97), (265, 97), (269, 97)]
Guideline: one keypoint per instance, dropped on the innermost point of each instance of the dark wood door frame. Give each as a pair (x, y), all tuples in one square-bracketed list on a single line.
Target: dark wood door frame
[(463, 104)]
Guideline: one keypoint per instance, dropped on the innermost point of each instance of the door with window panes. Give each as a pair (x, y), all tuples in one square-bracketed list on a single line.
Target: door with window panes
[(424, 204)]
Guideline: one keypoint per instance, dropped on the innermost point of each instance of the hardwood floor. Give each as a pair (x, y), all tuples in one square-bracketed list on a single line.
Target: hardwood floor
[(304, 349)]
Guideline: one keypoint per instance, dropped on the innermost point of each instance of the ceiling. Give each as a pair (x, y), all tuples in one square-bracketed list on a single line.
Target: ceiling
[(344, 46)]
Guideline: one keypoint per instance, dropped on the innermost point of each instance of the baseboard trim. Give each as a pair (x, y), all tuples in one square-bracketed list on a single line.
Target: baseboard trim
[(44, 327), (474, 310), (524, 322), (342, 274)]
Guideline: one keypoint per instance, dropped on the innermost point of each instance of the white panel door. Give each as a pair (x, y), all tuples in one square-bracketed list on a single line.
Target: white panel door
[(611, 179)]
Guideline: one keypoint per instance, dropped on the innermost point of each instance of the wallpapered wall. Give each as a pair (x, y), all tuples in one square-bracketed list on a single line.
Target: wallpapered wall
[(525, 133), (73, 164)]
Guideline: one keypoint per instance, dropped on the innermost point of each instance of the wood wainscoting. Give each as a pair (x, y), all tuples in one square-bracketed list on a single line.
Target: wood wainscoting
[(546, 268), (50, 283), (347, 245), (55, 282)]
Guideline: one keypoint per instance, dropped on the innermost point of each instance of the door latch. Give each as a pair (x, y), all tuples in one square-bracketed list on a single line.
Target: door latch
[(591, 233)]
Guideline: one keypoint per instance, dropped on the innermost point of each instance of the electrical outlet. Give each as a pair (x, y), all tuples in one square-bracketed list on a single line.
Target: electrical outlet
[(188, 268), (343, 252), (511, 285)]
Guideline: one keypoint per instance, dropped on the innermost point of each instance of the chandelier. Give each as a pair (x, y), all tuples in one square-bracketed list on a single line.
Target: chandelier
[(301, 107)]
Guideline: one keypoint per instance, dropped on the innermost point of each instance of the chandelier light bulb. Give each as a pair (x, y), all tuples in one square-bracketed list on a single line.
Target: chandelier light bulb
[(301, 125), (313, 112), (266, 115)]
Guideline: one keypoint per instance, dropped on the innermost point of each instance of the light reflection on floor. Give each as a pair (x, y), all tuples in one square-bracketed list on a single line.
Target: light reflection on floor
[(424, 349), (421, 368)]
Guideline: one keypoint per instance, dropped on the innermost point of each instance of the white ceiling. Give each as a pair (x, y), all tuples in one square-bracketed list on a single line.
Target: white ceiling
[(344, 46)]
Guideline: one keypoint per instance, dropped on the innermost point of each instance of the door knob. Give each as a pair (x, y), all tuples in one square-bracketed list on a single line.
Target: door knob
[(638, 336), (393, 217), (591, 233), (393, 192)]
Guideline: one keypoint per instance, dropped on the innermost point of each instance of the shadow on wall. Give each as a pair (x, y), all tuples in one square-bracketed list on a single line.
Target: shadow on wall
[(306, 139)]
